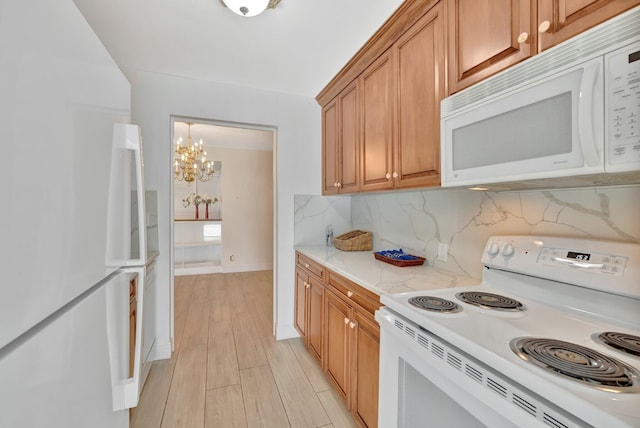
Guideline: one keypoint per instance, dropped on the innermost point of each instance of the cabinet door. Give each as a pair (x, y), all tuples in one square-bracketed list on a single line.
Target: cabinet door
[(376, 89), (315, 308), (365, 367), (348, 142), (300, 305), (337, 316), (486, 36), (330, 148), (420, 69), (558, 20)]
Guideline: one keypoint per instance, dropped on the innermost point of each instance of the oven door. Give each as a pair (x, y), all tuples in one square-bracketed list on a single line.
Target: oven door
[(427, 382)]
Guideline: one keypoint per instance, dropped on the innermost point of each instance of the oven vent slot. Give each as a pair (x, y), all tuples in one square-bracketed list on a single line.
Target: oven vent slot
[(473, 373), (399, 324), (437, 350), (422, 341), (497, 387), (411, 332), (550, 420), (524, 404), (454, 361)]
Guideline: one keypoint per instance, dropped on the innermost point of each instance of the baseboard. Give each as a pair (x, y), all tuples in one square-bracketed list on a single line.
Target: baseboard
[(197, 270), (287, 331), (161, 352), (232, 269)]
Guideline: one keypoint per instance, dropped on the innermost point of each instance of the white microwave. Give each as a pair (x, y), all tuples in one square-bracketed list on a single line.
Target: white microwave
[(568, 117)]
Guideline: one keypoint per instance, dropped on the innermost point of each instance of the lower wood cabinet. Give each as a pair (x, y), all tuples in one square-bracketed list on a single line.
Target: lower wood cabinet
[(309, 307), (365, 364), (315, 308), (352, 346), (337, 346), (352, 357), (335, 317)]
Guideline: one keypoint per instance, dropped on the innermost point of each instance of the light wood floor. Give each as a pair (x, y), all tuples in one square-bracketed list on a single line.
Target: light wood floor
[(228, 370)]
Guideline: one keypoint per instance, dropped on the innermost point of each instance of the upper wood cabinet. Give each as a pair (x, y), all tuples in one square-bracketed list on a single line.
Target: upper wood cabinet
[(330, 148), (486, 36), (340, 150), (419, 57), (349, 144), (559, 20), (397, 112), (377, 93)]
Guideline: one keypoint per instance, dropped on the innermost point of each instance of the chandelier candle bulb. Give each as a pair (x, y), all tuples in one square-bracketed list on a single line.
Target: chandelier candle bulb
[(187, 168)]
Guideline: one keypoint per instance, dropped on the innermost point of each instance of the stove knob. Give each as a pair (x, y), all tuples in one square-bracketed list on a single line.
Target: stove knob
[(507, 250), (494, 249)]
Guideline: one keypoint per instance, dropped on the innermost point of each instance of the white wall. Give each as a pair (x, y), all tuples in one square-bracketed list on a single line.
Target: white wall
[(247, 195), (297, 120)]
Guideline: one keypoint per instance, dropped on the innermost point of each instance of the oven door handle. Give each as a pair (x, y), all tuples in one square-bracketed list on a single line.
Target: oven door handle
[(578, 264)]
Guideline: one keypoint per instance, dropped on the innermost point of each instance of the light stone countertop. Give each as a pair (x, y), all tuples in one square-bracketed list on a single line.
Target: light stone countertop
[(383, 278)]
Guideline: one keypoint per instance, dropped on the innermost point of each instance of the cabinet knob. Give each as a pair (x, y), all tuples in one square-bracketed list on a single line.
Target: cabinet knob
[(346, 320), (335, 184), (544, 27), (352, 324), (523, 37), (349, 293), (338, 184), (395, 174), (388, 176), (307, 285), (306, 265)]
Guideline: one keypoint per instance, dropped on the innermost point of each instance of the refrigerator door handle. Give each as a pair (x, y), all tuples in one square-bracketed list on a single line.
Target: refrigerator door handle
[(125, 388)]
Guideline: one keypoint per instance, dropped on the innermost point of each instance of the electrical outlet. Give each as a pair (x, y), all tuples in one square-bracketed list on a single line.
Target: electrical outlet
[(443, 250)]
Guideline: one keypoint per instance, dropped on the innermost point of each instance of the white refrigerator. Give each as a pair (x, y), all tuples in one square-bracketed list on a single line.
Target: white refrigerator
[(69, 347)]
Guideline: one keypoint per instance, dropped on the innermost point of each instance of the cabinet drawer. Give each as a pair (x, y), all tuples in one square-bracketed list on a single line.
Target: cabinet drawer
[(309, 265), (354, 293)]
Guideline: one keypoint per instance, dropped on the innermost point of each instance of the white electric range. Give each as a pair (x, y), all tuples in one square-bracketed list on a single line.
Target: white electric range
[(525, 348)]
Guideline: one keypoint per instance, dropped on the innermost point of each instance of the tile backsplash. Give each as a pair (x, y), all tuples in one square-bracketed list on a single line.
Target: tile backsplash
[(417, 221), (314, 213)]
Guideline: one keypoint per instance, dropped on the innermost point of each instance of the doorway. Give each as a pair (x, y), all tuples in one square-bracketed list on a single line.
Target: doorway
[(239, 233)]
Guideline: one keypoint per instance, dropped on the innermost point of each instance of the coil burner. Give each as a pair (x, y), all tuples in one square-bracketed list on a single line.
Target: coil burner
[(578, 363), (490, 301), (623, 342), (435, 304)]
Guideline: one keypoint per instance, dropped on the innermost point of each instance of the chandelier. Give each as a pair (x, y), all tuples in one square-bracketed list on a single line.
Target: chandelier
[(191, 160), (250, 7)]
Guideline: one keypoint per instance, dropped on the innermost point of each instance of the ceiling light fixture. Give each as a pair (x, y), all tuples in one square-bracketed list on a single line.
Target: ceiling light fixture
[(250, 7), (185, 166)]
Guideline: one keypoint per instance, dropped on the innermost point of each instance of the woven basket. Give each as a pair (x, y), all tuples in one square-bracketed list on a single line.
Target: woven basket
[(356, 240)]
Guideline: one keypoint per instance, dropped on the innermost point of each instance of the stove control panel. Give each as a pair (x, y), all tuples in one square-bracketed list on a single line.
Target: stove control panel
[(605, 264), (576, 261)]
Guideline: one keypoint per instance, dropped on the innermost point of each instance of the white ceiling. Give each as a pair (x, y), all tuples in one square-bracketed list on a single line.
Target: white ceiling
[(296, 48)]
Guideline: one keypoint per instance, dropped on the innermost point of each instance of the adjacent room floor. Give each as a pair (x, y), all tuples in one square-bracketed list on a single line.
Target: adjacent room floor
[(228, 370)]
